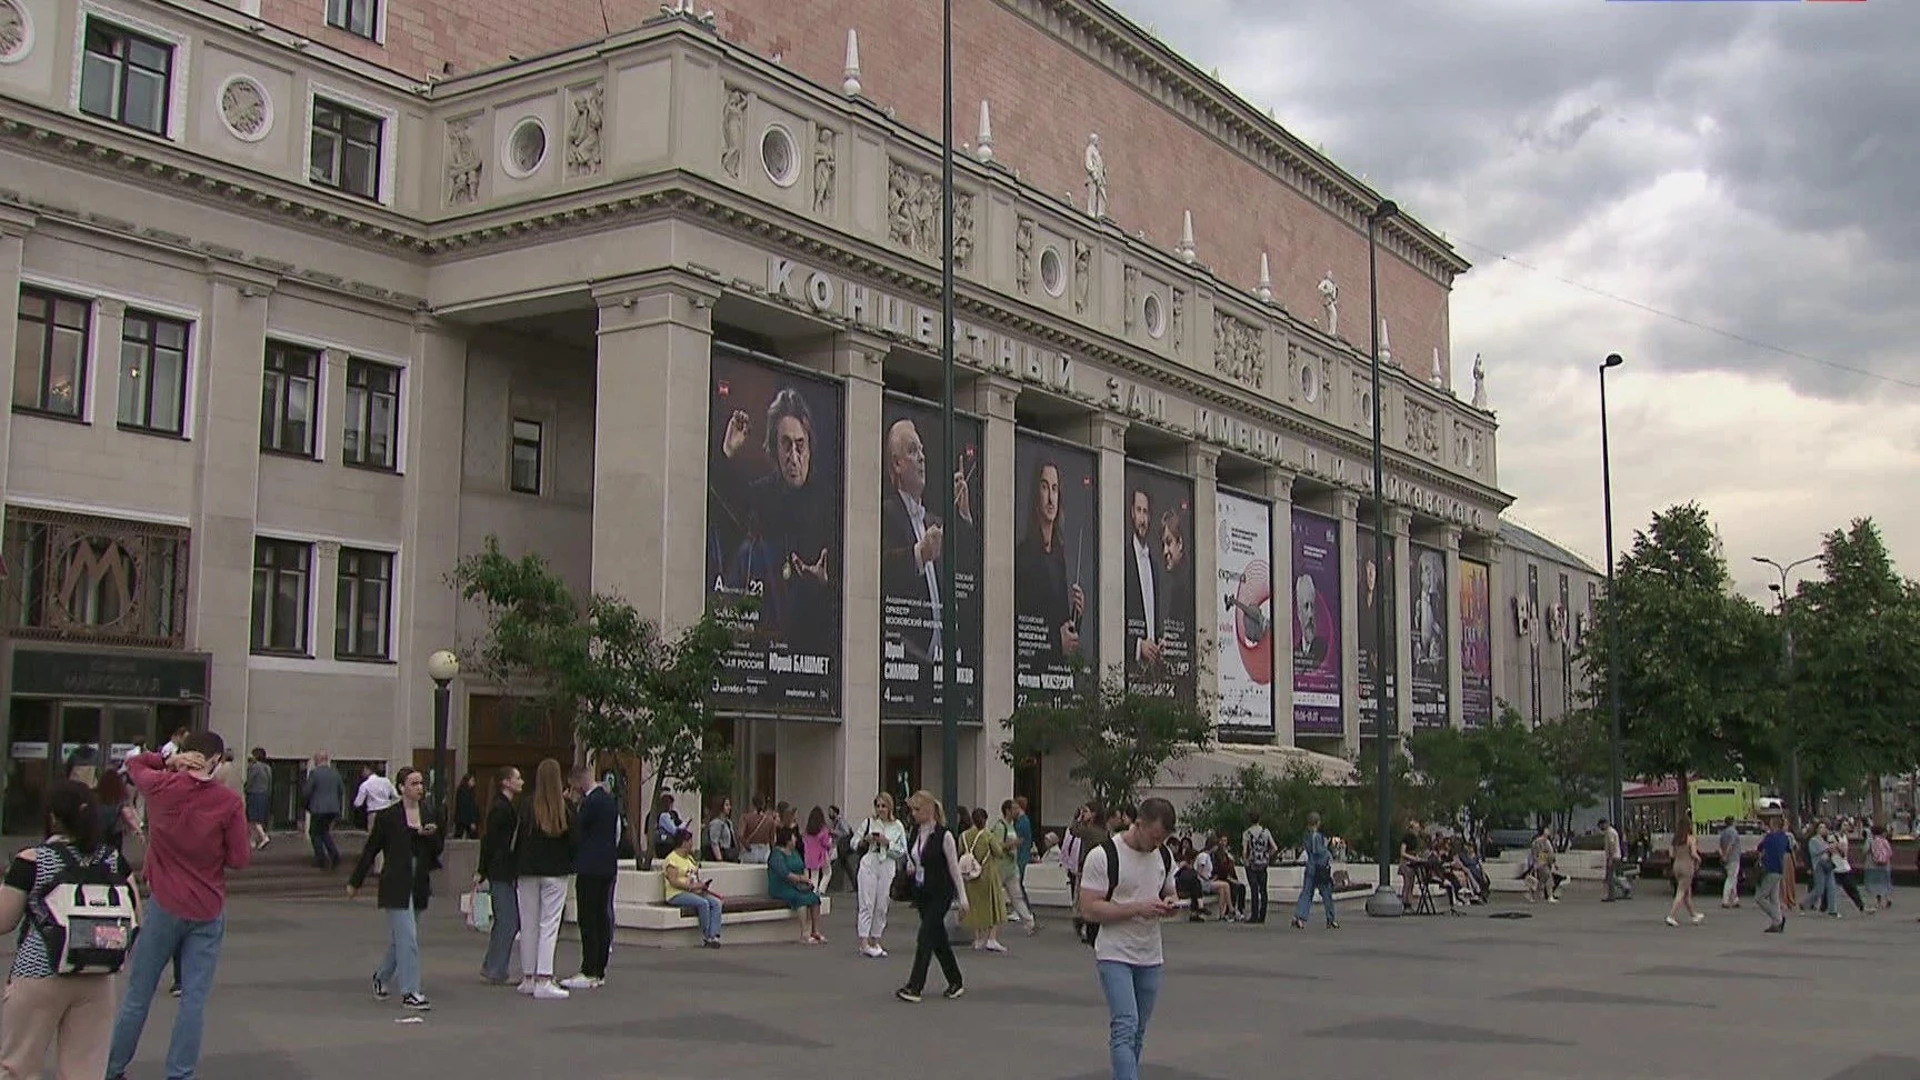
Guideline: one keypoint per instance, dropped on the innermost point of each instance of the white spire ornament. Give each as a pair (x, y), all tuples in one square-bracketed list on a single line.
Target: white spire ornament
[(1386, 342), (1439, 375), (985, 150), (1264, 287), (852, 84), (1184, 248)]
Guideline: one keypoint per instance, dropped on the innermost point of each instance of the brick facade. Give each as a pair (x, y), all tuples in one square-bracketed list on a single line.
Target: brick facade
[(1046, 96)]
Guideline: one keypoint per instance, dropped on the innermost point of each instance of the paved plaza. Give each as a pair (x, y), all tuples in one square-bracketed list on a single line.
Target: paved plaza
[(1580, 990)]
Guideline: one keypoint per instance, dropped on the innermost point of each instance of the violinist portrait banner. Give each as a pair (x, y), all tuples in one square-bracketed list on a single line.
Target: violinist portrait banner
[(775, 476), (1243, 605), (1056, 571)]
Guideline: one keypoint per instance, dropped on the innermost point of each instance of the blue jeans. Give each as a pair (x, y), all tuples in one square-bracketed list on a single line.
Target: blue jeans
[(1131, 992), (1307, 890), (1820, 895), (400, 968), (164, 935), (506, 925), (708, 908)]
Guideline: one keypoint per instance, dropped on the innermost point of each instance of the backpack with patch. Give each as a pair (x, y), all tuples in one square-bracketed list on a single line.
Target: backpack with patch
[(87, 918), (1113, 878), (1260, 845)]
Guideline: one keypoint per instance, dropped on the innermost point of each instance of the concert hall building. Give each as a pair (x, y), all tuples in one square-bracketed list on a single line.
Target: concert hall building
[(314, 296)]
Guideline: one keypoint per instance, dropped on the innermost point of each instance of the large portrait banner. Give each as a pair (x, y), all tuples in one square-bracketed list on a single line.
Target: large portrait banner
[(774, 507), (915, 528), (1056, 570), (1375, 576), (1476, 644), (1159, 584), (1316, 624), (1427, 588), (1243, 636)]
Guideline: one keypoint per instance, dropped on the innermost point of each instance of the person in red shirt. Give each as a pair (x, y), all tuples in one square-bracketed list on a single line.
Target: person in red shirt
[(196, 832)]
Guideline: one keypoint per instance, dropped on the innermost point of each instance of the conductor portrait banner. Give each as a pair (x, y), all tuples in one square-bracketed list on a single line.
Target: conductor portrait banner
[(916, 526), (1374, 576), (1056, 571), (1428, 622), (1158, 558), (1243, 559), (774, 528), (1316, 624), (1476, 644)]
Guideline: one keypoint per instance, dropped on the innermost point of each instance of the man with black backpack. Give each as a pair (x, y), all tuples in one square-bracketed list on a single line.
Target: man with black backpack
[(1126, 889)]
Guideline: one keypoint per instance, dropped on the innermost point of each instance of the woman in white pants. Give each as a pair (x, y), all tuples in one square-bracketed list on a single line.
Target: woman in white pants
[(881, 843), (545, 857)]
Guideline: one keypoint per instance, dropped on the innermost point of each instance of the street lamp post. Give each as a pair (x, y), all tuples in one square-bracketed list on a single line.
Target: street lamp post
[(442, 666), (1384, 903), (1786, 677), (1616, 809), (949, 633)]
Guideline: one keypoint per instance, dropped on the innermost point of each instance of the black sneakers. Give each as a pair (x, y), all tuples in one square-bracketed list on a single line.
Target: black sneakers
[(415, 1002), (953, 992), (910, 996), (379, 989)]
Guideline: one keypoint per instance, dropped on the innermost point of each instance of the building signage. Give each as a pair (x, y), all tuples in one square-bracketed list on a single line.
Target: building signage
[(113, 676), (1316, 625)]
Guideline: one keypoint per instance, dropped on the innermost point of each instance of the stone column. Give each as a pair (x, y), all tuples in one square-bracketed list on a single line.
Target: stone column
[(14, 226), (993, 399), (1279, 483), (220, 557), (1500, 642), (1201, 461), (1347, 505), (430, 533), (653, 375), (1400, 524), (1106, 435), (856, 766), (1456, 641)]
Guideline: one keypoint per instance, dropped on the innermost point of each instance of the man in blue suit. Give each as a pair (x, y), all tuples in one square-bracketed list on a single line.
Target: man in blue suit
[(596, 867)]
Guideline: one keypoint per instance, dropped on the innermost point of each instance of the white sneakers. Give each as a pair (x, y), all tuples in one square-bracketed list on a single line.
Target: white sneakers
[(543, 991), (873, 952), (581, 982), (1697, 919)]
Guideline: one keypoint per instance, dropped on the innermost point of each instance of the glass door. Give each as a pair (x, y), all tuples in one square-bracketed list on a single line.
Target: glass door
[(129, 731), (29, 738), (82, 741)]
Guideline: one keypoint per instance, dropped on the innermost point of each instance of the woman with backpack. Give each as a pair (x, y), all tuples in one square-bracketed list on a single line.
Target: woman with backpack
[(44, 1003), (410, 837)]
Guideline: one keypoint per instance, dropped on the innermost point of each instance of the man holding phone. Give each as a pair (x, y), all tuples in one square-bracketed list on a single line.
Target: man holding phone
[(1126, 888)]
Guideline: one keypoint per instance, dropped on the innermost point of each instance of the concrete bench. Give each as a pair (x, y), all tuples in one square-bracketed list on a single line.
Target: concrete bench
[(642, 916), (1047, 883)]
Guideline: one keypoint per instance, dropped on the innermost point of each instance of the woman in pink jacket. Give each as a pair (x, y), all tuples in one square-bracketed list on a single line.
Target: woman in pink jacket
[(817, 849)]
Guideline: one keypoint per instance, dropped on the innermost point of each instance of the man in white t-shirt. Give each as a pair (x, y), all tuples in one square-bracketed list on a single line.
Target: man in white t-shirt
[(376, 794), (1126, 904)]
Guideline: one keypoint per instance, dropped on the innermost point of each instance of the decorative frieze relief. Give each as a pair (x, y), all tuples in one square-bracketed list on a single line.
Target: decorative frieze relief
[(1423, 429), (1239, 351), (1082, 275), (245, 109), (913, 215), (463, 164), (1131, 279), (16, 32), (823, 170), (1023, 255), (584, 107), (1179, 318), (733, 131)]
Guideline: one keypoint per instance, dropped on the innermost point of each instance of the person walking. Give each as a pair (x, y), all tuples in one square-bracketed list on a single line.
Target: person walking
[(1013, 847), (1685, 850), (408, 836), (1257, 849), (71, 1014), (325, 795), (980, 872), (1127, 885), (1611, 852), (1775, 858), (1880, 869), (1540, 862), (1820, 860), (934, 860), (1023, 828), (687, 890), (883, 843), (1316, 876), (466, 808), (196, 832), (376, 794), (596, 866), (546, 850), (817, 846), (259, 795), (498, 871), (1840, 852), (1730, 861)]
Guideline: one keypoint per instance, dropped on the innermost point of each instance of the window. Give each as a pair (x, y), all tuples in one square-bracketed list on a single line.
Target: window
[(373, 410), (153, 373), (125, 77), (287, 398), (50, 353), (362, 604), (345, 150), (280, 572), (77, 577), (359, 17), (526, 457)]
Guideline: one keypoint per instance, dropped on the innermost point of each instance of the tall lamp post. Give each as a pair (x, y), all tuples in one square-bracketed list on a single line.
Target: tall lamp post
[(1616, 809), (949, 632), (1384, 903), (442, 666), (1786, 676)]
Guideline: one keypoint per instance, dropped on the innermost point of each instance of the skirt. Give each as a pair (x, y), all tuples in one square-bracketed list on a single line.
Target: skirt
[(256, 807), (1880, 881)]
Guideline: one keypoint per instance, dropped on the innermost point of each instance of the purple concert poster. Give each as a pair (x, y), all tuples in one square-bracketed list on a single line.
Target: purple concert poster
[(1316, 625)]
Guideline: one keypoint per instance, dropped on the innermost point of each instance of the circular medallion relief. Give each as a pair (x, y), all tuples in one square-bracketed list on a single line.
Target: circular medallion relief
[(779, 155), (1053, 271), (16, 31), (245, 108), (526, 148)]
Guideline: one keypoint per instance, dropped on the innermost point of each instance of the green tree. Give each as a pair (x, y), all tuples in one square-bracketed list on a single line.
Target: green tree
[(1118, 741), (1691, 654), (1855, 647), (1448, 770), (1491, 773), (1575, 750), (1283, 800)]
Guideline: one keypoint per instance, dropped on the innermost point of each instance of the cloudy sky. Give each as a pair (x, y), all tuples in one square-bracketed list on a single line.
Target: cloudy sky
[(1747, 171)]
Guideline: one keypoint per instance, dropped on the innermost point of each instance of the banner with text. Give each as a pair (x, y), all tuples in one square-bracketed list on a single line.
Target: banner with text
[(1056, 571), (1243, 635), (774, 509), (915, 526), (1427, 590), (1159, 582), (1375, 589), (1476, 644), (1316, 624)]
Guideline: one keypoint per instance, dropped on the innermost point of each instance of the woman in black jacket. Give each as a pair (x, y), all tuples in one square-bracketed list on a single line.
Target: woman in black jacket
[(408, 835), (934, 861), (499, 873), (544, 860)]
